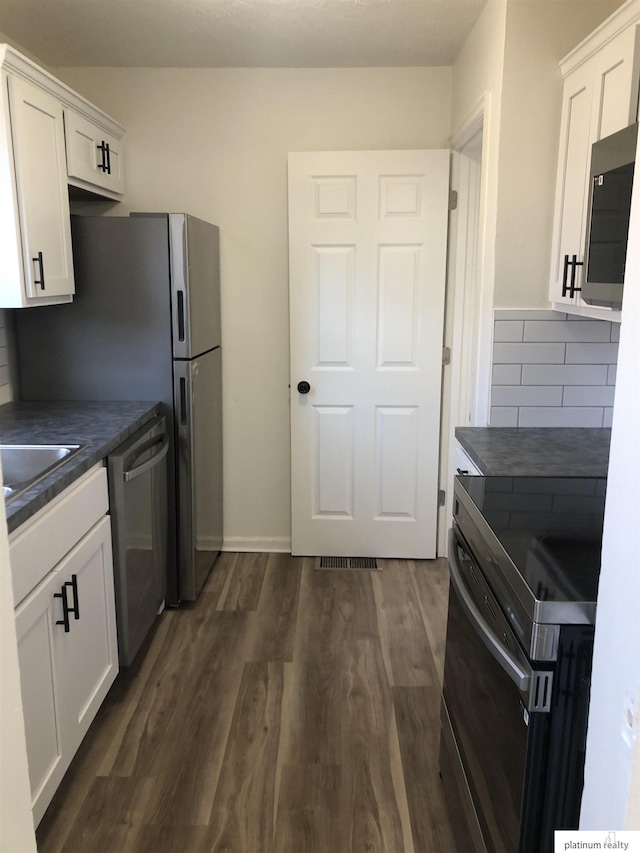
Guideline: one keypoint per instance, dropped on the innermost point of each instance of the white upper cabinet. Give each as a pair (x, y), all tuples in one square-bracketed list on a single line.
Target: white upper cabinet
[(601, 79), (43, 233), (38, 164), (94, 157)]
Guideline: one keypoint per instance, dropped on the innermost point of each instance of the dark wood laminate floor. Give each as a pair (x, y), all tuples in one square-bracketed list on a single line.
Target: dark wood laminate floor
[(288, 710)]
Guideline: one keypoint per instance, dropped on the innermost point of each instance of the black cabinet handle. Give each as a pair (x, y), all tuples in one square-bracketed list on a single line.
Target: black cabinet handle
[(38, 260), (108, 159), (304, 387), (65, 608), (565, 273), (75, 608), (569, 287), (572, 287), (103, 148)]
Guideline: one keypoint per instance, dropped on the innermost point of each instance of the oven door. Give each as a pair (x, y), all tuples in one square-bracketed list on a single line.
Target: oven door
[(494, 725)]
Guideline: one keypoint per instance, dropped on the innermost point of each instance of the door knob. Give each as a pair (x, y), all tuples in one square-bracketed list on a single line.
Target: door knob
[(304, 387)]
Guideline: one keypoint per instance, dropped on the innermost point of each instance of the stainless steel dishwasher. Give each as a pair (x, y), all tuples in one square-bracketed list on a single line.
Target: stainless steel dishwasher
[(138, 504)]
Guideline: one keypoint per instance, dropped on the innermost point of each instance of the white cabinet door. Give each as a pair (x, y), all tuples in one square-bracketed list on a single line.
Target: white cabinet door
[(41, 187), (68, 654), (41, 691), (600, 98), (573, 168), (94, 158), (86, 656), (615, 84)]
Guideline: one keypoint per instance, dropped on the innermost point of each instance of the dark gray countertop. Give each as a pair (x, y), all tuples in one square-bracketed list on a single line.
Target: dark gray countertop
[(543, 452), (100, 426)]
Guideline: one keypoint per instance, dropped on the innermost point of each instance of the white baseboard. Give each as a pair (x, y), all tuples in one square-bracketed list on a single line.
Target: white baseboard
[(270, 544)]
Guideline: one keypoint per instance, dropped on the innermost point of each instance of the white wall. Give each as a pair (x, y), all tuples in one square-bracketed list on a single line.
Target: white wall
[(538, 36), (477, 77), (615, 687), (510, 63), (214, 142)]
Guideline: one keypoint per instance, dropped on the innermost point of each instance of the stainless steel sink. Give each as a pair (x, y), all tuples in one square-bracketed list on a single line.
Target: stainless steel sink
[(23, 465)]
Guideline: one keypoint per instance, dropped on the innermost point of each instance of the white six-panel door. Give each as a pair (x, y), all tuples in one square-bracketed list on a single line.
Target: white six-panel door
[(367, 243)]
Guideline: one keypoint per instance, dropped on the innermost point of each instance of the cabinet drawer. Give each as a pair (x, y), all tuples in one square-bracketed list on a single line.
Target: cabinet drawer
[(464, 464), (40, 543)]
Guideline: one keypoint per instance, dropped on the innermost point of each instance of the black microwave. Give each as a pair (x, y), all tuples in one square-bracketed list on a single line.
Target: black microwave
[(609, 210)]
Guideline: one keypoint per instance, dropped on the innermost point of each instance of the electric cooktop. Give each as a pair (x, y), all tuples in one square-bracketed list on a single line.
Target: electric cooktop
[(550, 528)]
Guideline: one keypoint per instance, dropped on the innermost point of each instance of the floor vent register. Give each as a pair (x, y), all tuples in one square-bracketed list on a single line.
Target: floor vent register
[(368, 563)]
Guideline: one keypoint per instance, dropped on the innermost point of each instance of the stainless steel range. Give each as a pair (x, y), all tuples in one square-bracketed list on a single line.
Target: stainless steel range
[(524, 558)]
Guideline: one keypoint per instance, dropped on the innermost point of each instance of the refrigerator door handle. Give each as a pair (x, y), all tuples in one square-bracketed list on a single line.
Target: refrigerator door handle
[(183, 401), (181, 332)]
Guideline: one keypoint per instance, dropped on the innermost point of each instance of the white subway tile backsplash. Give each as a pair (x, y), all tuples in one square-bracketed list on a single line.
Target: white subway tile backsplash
[(593, 395), (551, 371), (506, 374), (607, 420), (560, 416), (593, 331), (526, 395), (509, 314), (592, 353), (504, 416), (529, 353), (564, 374), (508, 330)]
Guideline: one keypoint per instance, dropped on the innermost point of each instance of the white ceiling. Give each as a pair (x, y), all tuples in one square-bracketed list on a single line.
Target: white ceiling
[(240, 33)]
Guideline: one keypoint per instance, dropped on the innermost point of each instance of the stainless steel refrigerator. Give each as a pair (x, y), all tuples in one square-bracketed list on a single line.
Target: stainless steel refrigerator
[(145, 325)]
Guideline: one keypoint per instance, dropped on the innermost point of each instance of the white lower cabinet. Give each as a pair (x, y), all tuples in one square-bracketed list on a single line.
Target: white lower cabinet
[(41, 691), (68, 655)]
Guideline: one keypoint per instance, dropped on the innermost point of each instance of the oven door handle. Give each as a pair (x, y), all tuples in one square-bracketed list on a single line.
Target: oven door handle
[(521, 676)]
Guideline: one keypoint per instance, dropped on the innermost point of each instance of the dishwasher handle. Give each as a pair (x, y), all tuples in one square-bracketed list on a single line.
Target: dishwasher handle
[(162, 443)]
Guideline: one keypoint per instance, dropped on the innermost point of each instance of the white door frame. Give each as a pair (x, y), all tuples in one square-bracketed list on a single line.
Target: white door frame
[(469, 308)]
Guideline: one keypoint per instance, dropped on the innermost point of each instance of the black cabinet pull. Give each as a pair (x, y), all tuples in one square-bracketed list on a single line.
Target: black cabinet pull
[(103, 148), (75, 607), (565, 273), (572, 287), (108, 159), (38, 260), (65, 608), (569, 287)]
